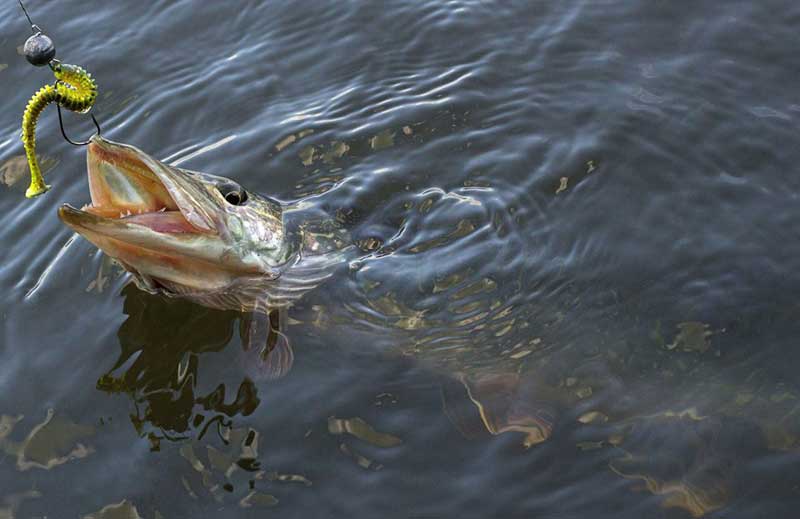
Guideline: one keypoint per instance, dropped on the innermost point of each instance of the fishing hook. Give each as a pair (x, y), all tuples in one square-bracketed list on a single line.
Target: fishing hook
[(61, 121), (64, 133)]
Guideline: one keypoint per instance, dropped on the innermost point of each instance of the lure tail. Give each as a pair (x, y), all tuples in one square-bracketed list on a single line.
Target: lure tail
[(75, 90)]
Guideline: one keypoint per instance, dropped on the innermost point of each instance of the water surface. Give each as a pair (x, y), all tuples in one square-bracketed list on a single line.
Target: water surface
[(591, 205)]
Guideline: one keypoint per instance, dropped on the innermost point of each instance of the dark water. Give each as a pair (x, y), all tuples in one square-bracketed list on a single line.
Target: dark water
[(647, 308)]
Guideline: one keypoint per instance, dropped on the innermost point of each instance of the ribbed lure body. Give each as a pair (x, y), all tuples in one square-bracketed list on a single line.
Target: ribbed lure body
[(75, 90)]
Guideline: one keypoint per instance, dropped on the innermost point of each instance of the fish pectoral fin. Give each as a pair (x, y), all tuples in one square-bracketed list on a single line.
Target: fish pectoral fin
[(277, 357), (268, 352)]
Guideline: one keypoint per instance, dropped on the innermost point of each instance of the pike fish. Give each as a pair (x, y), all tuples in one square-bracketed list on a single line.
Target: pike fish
[(205, 238)]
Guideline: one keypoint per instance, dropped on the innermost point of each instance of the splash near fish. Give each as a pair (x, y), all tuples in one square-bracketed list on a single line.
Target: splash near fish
[(74, 89)]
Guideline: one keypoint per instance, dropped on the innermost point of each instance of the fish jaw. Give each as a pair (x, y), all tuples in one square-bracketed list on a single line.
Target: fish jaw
[(160, 222), (123, 180), (184, 257)]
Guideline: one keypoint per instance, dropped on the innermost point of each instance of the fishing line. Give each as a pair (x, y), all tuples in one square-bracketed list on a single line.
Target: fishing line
[(28, 16)]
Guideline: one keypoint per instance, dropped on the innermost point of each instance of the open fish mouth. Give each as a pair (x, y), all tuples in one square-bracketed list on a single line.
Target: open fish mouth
[(132, 194), (162, 223), (181, 232)]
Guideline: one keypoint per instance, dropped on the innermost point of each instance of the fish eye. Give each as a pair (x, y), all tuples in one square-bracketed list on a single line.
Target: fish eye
[(233, 193)]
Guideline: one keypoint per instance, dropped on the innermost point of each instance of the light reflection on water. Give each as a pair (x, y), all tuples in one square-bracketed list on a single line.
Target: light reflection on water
[(573, 288)]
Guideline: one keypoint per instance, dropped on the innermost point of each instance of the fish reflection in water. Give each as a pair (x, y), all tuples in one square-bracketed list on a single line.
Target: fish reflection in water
[(158, 367)]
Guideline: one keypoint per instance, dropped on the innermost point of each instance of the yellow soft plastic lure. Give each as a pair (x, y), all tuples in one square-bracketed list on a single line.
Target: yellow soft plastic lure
[(75, 90)]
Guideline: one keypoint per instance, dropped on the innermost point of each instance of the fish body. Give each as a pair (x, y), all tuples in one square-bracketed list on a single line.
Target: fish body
[(206, 239)]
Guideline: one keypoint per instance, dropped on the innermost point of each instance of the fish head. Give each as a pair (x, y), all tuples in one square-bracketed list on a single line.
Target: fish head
[(176, 230)]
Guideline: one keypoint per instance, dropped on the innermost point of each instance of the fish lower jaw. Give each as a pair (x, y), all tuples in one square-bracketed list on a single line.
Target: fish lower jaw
[(162, 220)]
